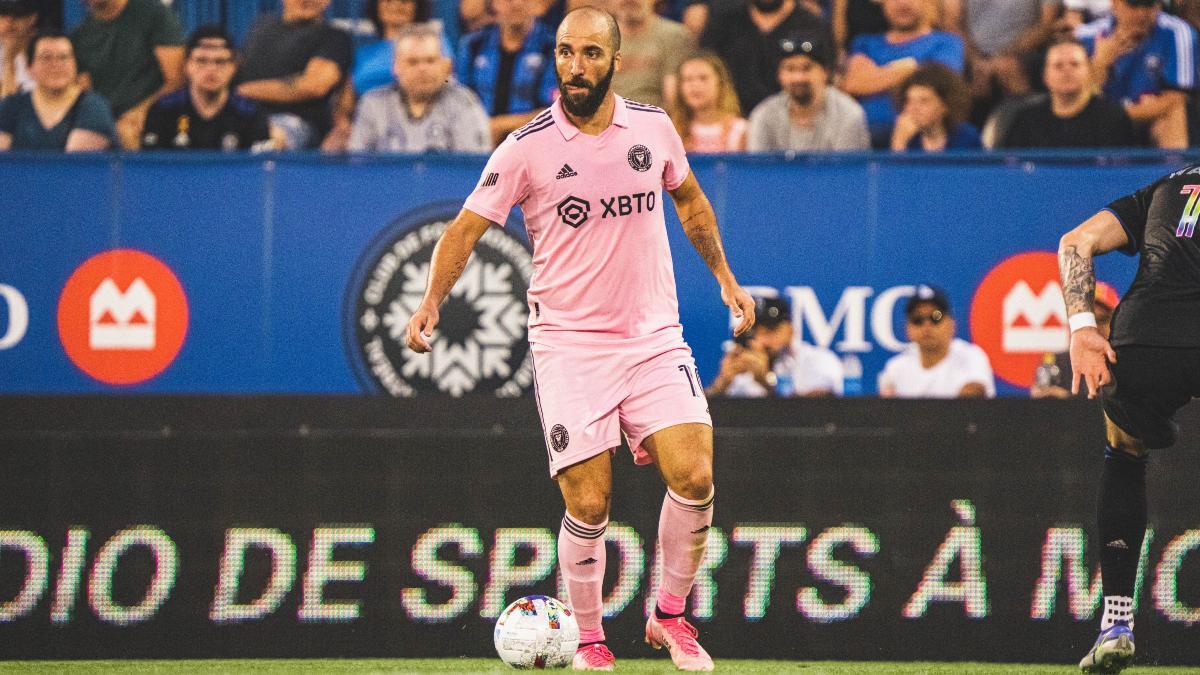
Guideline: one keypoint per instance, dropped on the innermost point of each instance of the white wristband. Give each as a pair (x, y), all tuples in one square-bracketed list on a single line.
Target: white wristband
[(1082, 320)]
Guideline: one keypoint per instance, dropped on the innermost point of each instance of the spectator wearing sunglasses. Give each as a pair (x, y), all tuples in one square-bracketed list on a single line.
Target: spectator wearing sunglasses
[(936, 364)]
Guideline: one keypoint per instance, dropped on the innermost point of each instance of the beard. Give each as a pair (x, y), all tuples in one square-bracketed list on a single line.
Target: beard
[(586, 105), (801, 94)]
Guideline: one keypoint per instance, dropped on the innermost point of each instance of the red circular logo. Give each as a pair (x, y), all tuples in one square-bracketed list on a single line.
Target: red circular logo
[(1018, 315), (122, 317)]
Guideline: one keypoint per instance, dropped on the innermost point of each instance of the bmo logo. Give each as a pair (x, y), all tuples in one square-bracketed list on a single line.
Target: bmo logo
[(122, 317), (1018, 315), (861, 316), (14, 317)]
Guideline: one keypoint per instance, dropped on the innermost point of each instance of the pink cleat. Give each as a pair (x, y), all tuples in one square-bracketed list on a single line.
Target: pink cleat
[(593, 657), (679, 637)]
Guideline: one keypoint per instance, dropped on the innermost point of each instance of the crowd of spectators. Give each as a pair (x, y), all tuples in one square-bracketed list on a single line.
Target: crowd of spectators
[(735, 75)]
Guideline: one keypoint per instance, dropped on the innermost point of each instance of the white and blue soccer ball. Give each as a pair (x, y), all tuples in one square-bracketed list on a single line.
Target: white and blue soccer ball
[(537, 632)]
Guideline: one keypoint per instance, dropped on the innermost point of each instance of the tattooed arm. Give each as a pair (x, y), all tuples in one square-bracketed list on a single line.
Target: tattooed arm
[(1090, 351), (1078, 276), (449, 260), (700, 225)]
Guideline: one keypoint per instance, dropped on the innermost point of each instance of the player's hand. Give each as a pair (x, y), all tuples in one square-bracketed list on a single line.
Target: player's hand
[(1090, 356), (420, 328), (742, 306)]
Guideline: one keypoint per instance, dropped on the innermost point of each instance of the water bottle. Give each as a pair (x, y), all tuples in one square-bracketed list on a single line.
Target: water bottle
[(1046, 374), (852, 371)]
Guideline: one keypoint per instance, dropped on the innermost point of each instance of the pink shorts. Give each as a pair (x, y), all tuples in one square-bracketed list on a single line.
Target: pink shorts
[(588, 395)]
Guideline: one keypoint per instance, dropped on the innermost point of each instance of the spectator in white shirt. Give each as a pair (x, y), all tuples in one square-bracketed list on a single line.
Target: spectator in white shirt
[(772, 361), (936, 364)]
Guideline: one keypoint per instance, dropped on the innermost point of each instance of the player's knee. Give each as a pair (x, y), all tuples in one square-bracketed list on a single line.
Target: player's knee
[(590, 508), (696, 483), (1122, 441)]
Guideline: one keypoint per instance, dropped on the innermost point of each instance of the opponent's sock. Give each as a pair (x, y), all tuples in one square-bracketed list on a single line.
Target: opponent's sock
[(682, 536), (1117, 608), (1122, 527), (581, 558)]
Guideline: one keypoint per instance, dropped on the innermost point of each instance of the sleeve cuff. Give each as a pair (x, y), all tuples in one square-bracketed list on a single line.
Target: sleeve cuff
[(485, 212), (1130, 247)]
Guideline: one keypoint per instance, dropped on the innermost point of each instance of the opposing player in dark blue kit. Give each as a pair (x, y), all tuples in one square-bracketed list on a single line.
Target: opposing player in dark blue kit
[(1148, 370)]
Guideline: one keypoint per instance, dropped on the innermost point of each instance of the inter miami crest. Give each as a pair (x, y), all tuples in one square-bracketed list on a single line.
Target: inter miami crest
[(640, 158), (480, 343), (559, 438)]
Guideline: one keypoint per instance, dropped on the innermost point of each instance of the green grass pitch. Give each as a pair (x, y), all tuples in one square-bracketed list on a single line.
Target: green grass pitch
[(271, 666)]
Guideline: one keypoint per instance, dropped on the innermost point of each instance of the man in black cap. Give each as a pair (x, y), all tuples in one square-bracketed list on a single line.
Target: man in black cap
[(771, 361), (747, 38), (205, 114), (936, 364), (18, 23), (809, 115)]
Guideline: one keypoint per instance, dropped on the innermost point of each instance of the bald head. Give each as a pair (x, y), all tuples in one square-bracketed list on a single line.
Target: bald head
[(591, 20)]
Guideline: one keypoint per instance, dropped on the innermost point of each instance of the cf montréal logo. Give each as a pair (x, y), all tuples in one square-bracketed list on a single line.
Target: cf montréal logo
[(479, 346), (574, 211)]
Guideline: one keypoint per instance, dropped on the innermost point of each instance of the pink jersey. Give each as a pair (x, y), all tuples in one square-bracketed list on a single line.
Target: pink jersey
[(593, 208)]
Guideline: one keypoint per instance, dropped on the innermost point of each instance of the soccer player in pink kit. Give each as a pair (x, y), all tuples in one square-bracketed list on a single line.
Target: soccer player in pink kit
[(608, 350)]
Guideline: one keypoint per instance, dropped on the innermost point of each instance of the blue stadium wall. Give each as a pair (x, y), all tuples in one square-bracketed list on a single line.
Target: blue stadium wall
[(274, 254)]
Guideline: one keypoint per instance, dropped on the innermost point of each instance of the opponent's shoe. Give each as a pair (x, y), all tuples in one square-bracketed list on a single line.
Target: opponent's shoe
[(593, 657), (1112, 652), (679, 637)]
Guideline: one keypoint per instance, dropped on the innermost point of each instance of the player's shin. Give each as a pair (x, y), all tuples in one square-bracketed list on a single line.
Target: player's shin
[(1122, 528), (581, 558), (683, 537)]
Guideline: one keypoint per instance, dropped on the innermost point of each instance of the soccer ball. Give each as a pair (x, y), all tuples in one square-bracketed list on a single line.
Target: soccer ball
[(537, 632)]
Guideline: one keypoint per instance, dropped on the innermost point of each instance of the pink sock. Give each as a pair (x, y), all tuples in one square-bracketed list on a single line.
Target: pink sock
[(683, 537), (581, 557)]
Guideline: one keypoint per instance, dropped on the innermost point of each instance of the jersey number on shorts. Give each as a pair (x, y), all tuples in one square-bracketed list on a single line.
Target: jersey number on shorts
[(687, 373)]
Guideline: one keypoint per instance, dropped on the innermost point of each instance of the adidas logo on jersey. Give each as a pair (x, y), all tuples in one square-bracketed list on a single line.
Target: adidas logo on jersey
[(589, 561), (1118, 543), (565, 172)]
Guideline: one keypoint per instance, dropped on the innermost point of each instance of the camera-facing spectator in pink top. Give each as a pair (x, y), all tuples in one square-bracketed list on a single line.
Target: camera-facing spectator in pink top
[(707, 115)]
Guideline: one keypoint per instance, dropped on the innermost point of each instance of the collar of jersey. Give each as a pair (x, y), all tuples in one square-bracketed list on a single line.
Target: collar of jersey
[(569, 131)]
